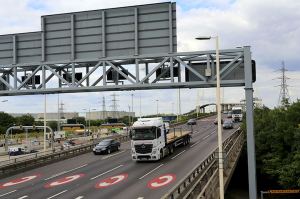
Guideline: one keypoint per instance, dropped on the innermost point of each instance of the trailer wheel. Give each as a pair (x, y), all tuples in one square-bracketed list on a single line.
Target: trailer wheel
[(185, 142), (188, 140)]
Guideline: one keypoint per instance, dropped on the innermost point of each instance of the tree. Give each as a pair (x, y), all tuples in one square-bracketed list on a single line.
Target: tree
[(6, 121), (25, 120), (277, 135), (80, 120), (52, 125)]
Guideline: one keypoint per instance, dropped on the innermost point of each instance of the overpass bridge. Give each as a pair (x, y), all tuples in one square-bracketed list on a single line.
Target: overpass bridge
[(117, 176), (224, 106)]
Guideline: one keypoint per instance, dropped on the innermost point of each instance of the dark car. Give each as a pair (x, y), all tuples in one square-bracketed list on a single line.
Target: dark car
[(216, 121), (228, 124), (192, 122), (106, 146)]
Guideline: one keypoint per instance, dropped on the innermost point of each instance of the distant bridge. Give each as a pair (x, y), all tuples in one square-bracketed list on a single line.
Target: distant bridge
[(224, 106)]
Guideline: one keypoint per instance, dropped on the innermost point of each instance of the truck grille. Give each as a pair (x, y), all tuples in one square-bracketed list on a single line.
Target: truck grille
[(143, 148)]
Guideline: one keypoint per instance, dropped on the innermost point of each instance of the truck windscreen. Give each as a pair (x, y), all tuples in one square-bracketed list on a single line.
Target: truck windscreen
[(144, 134), (237, 111)]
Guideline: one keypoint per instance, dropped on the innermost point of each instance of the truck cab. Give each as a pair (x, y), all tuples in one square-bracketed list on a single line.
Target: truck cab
[(148, 139), (237, 114)]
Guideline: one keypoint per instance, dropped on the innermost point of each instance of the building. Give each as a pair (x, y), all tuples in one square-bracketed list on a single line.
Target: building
[(49, 116), (100, 115)]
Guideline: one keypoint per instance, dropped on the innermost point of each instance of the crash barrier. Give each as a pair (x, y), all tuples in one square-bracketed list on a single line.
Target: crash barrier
[(202, 181), (33, 160)]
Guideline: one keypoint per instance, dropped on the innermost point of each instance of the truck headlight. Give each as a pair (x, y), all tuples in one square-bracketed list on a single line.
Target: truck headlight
[(154, 150)]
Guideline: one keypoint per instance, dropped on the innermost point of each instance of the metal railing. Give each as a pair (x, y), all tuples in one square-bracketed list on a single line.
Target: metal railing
[(35, 159), (200, 178)]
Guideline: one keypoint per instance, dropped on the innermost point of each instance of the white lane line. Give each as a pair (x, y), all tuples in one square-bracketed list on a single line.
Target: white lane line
[(64, 172), (113, 155), (205, 137), (23, 197), (178, 154), (140, 198), (79, 197), (212, 133), (8, 193), (106, 172), (150, 171), (195, 144), (57, 194)]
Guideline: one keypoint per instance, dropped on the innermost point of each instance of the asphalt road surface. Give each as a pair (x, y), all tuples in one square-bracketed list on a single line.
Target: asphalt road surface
[(115, 175)]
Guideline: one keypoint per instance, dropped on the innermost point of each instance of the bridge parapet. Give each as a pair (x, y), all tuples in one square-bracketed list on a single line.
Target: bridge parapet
[(202, 181)]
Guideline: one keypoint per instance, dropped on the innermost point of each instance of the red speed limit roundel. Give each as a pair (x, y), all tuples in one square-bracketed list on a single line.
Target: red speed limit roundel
[(63, 180), (111, 181), (18, 181), (161, 181)]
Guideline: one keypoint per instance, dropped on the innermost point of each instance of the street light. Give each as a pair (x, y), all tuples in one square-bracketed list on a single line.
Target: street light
[(218, 102), (157, 107), (131, 106)]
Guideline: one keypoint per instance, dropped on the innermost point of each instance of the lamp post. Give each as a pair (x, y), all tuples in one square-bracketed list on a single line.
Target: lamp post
[(218, 102), (45, 123), (157, 107), (131, 106), (129, 114)]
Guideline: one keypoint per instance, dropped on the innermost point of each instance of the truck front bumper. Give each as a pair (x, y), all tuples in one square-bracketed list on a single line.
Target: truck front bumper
[(145, 157)]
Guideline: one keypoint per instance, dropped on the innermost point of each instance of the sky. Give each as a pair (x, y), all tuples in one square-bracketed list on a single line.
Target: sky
[(270, 27)]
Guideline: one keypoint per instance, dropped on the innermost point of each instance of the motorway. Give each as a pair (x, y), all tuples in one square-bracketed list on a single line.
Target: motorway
[(114, 175)]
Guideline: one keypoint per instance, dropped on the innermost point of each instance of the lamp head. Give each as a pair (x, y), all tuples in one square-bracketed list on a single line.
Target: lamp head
[(203, 38)]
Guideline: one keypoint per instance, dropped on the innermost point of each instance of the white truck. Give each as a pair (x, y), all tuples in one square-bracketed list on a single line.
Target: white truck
[(237, 113), (152, 139)]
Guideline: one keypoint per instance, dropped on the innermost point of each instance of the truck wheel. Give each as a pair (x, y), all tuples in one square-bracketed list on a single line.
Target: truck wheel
[(171, 150), (161, 154), (184, 142)]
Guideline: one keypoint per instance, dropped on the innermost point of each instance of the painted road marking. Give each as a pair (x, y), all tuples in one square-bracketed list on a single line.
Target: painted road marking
[(150, 171), (161, 181), (18, 181), (140, 198), (57, 194), (109, 156), (64, 180), (106, 172), (64, 172), (205, 137), (111, 181), (8, 193), (23, 197), (79, 197), (178, 154), (195, 144)]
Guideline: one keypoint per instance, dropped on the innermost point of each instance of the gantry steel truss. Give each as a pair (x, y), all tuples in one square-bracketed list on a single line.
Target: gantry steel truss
[(161, 71)]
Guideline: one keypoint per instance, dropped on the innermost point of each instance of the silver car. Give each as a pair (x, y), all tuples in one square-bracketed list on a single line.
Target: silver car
[(228, 124)]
